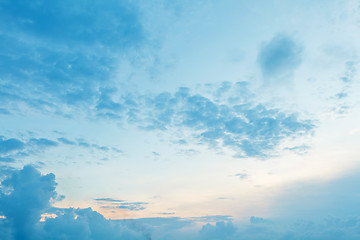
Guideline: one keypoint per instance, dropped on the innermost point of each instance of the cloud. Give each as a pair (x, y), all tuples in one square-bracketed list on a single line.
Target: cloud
[(259, 228), (61, 53), (212, 218), (280, 56), (42, 142), (87, 224), (64, 65), (242, 176), (313, 200), (7, 159), (110, 203), (341, 103), (9, 145), (156, 154), (257, 220), (12, 148), (300, 150), (232, 119), (235, 121), (4, 111), (222, 230), (26, 194), (227, 117), (350, 71), (66, 141)]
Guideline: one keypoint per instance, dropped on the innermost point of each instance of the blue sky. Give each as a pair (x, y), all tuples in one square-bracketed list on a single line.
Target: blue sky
[(179, 120)]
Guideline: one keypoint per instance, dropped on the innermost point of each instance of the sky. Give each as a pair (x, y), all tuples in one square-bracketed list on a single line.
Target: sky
[(179, 119)]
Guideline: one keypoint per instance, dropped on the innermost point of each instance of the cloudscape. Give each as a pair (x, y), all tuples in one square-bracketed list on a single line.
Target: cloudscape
[(179, 120)]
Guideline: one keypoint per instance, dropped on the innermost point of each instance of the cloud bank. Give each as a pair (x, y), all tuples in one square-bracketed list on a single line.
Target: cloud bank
[(25, 195)]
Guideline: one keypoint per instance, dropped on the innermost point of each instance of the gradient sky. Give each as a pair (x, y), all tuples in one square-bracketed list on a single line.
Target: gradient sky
[(196, 119)]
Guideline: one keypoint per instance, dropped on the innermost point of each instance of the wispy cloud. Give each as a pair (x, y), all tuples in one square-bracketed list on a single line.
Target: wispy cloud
[(13, 148), (120, 204), (242, 176)]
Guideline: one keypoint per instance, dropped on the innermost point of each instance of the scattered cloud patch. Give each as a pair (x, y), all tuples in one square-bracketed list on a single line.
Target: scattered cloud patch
[(249, 128), (350, 72), (340, 98)]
